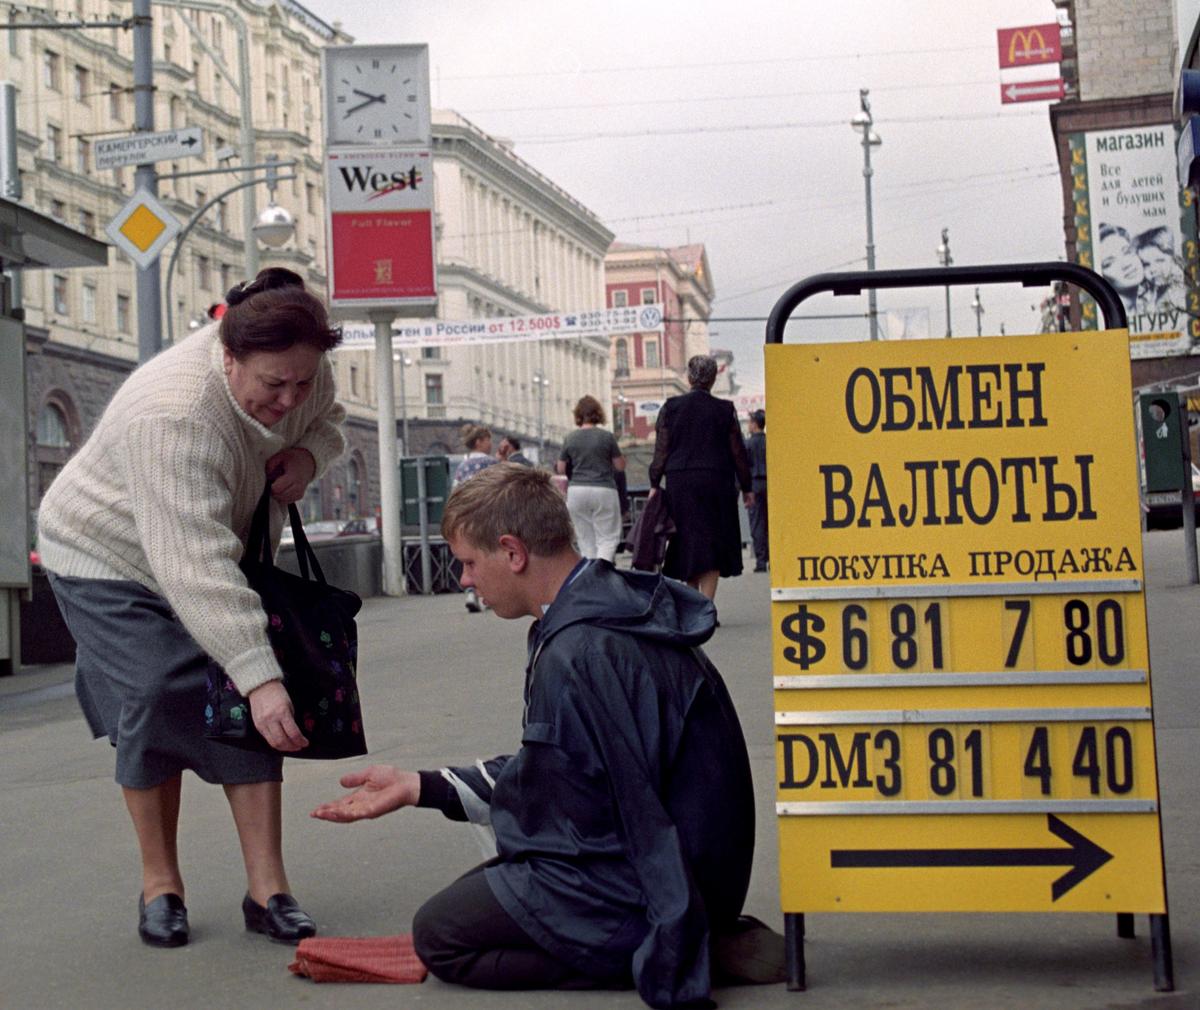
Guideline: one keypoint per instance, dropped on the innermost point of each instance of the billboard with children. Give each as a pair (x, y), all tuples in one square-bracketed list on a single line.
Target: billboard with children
[(1136, 227)]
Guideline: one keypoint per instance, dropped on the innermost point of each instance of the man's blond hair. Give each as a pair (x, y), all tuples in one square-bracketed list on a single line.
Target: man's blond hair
[(508, 498)]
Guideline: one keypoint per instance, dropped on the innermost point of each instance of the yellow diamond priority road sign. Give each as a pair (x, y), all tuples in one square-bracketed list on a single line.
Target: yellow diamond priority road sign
[(142, 228)]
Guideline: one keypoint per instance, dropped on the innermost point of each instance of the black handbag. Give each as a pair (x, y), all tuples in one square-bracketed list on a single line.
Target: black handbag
[(310, 625)]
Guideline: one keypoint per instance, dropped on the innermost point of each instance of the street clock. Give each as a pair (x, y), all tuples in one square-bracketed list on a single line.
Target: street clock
[(377, 95)]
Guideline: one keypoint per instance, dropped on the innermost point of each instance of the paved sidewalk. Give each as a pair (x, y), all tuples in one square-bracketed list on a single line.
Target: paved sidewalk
[(442, 685)]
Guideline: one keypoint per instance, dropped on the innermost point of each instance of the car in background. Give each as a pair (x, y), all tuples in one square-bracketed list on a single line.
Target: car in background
[(330, 529), (1163, 511)]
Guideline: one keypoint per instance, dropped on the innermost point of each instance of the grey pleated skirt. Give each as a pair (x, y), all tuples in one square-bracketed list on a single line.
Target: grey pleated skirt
[(140, 680)]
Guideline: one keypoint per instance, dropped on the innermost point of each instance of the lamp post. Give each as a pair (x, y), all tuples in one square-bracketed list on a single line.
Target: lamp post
[(945, 259), (403, 360), (863, 123), (273, 227), (977, 308), (541, 382)]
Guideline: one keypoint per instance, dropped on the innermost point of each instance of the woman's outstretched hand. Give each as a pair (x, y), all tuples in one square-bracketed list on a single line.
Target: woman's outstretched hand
[(380, 790)]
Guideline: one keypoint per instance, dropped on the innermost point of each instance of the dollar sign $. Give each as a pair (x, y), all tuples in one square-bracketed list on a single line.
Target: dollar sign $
[(798, 627)]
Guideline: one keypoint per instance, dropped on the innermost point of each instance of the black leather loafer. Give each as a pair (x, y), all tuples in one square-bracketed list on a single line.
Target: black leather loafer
[(163, 923), (282, 920)]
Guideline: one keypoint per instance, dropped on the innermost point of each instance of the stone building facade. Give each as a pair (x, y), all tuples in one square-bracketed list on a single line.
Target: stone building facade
[(75, 86)]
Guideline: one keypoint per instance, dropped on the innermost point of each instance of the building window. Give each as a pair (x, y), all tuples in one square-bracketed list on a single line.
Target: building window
[(87, 222), (649, 296), (622, 356), (58, 210), (203, 274), (433, 390), (83, 155), (620, 299), (354, 380), (116, 102), (13, 36), (310, 198), (166, 52), (88, 302), (82, 84), (53, 444), (196, 77), (357, 480), (52, 70), (60, 295), (431, 353), (226, 278), (123, 314), (222, 219), (54, 142), (651, 349)]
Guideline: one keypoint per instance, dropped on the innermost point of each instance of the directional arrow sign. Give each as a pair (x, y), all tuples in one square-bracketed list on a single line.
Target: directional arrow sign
[(143, 148), (1031, 91), (1084, 857)]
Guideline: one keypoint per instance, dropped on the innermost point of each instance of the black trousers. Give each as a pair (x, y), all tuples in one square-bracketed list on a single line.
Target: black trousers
[(463, 935), (758, 525)]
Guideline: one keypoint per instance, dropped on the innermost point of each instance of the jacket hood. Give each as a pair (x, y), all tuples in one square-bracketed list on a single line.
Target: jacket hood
[(637, 603)]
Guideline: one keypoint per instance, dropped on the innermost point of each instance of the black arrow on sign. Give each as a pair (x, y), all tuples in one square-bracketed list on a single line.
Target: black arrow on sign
[(1084, 857), (190, 141)]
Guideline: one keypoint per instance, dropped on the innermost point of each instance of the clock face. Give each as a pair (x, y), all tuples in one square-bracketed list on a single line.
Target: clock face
[(377, 94)]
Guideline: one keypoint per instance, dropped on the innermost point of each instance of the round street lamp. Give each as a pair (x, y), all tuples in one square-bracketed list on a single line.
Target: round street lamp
[(274, 226)]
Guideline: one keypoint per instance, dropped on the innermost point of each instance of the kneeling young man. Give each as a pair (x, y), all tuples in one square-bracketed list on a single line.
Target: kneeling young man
[(624, 824)]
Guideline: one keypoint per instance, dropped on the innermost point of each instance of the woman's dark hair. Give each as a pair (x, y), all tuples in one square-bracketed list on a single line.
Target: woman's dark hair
[(702, 371), (274, 312), (588, 411)]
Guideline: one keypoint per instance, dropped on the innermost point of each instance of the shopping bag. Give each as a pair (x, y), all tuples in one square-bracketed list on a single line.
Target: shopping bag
[(310, 625)]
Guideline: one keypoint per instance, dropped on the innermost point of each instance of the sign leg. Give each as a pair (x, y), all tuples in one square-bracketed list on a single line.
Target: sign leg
[(1125, 929), (1160, 945), (793, 936)]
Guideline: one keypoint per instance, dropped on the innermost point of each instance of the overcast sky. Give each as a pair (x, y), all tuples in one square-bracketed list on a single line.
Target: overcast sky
[(728, 124)]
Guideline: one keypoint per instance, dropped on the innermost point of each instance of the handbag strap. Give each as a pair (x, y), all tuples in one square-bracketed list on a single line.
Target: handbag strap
[(258, 543)]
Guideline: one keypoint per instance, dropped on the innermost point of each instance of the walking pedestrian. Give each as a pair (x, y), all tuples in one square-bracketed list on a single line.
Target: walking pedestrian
[(756, 450), (590, 459), (698, 448), (477, 440)]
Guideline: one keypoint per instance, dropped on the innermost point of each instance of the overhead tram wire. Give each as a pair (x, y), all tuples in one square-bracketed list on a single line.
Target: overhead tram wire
[(718, 64), (659, 132)]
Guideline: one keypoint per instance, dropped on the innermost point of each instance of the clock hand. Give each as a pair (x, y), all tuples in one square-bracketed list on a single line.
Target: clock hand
[(373, 98), (361, 105)]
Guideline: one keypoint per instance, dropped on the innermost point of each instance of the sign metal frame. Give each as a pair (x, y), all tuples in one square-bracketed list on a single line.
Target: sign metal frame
[(869, 757)]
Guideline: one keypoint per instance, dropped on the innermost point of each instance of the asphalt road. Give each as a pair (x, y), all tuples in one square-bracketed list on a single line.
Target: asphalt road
[(442, 685)]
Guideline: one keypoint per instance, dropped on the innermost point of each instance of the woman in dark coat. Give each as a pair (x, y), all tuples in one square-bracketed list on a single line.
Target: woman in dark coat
[(699, 448)]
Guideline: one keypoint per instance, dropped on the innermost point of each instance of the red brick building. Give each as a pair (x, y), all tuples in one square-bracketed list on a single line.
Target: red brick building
[(649, 367)]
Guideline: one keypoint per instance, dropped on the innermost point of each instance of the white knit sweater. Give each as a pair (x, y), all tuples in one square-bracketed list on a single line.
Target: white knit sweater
[(163, 491)]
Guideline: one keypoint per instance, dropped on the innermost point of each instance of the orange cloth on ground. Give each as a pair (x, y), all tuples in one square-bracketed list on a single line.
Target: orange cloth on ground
[(365, 959)]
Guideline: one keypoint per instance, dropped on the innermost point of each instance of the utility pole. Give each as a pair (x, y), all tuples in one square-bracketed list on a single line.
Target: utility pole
[(863, 123), (149, 278), (945, 259), (977, 308)]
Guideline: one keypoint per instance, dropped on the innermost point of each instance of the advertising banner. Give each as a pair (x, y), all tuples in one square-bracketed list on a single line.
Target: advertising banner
[(506, 329), (1135, 226), (380, 227), (959, 643)]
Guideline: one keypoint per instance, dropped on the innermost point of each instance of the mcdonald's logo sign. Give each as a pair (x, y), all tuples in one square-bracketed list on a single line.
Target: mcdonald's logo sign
[(1029, 45)]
